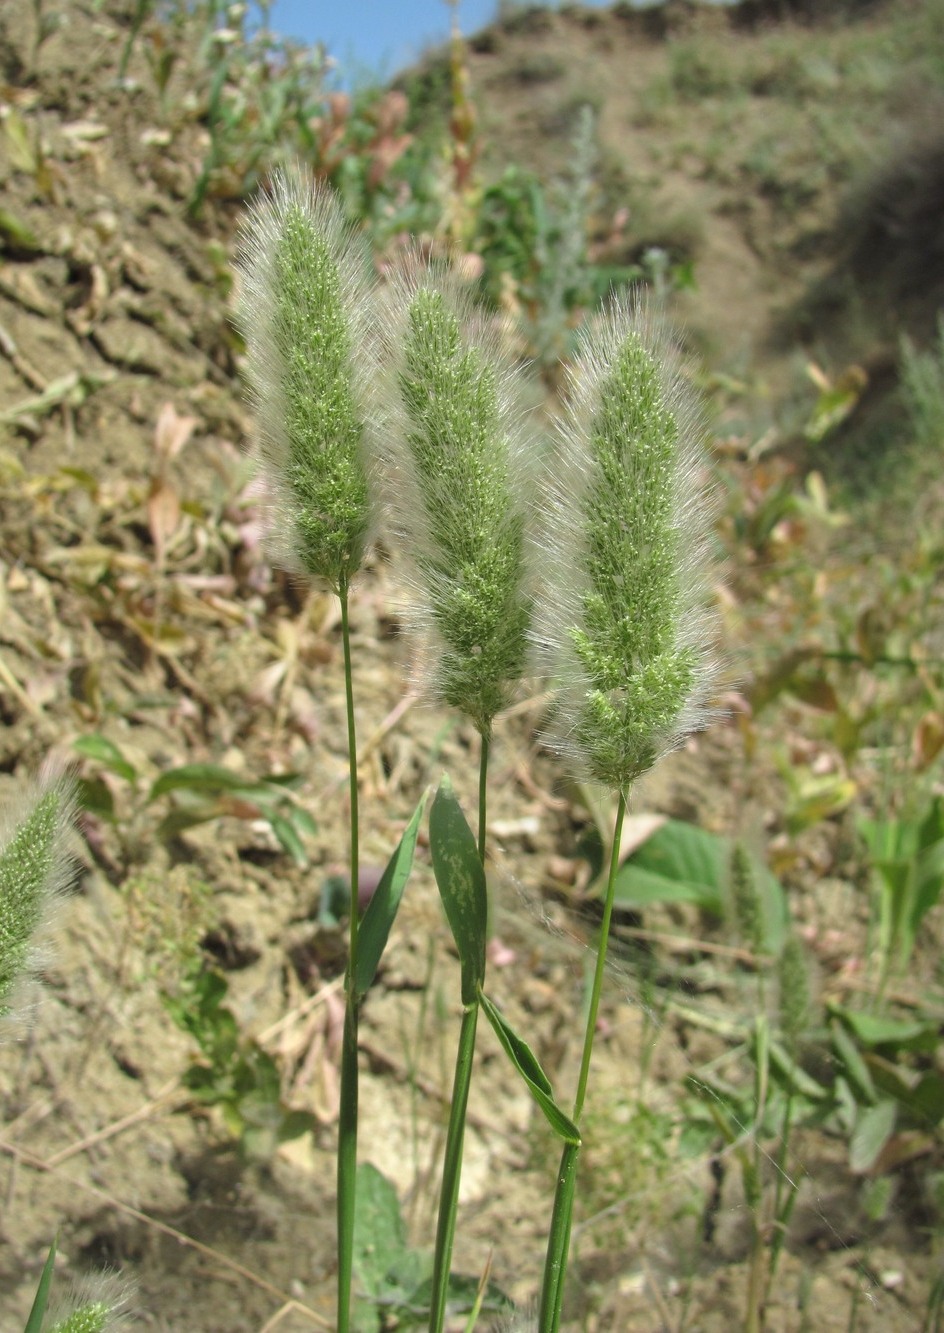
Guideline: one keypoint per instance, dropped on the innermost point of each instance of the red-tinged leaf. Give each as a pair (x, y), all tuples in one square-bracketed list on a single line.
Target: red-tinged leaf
[(816, 691), (928, 740), (171, 432), (163, 511)]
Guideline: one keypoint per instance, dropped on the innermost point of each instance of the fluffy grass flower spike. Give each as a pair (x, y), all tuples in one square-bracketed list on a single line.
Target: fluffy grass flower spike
[(459, 465), (620, 623), (308, 319), (305, 312), (99, 1303), (34, 867), (461, 471)]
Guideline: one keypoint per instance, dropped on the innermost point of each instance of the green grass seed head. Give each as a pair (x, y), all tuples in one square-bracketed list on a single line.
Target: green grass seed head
[(793, 975), (34, 866), (745, 899), (90, 1318), (460, 474), (305, 313), (620, 622), (96, 1303)]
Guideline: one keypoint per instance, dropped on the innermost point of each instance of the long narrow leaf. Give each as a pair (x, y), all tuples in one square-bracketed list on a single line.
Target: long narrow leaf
[(94, 746), (38, 1313), (526, 1062), (461, 882), (215, 778), (382, 908)]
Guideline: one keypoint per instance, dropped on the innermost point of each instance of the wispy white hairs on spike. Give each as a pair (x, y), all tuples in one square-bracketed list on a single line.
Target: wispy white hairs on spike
[(306, 311), (35, 867), (620, 622), (461, 474)]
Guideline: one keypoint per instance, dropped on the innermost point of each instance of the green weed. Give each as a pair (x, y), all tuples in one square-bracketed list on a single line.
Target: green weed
[(199, 794), (233, 1073), (922, 382)]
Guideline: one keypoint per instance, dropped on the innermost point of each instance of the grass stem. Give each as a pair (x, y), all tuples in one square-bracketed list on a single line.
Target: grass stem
[(558, 1245), (455, 1134), (452, 1169), (347, 1120)]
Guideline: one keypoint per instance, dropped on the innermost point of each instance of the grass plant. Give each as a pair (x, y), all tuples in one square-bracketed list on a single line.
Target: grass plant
[(305, 316), (620, 622), (461, 476), (619, 619), (923, 385), (35, 867)]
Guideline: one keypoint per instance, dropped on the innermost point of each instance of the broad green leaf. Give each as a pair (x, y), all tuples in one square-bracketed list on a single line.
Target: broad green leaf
[(932, 826), (926, 1101), (873, 1129), (930, 882), (679, 863), (304, 821), (179, 821), (382, 909), (37, 1314), (294, 1124), (528, 1066), (883, 837), (874, 1030), (209, 778), (461, 882), (287, 781), (682, 863), (379, 1229), (98, 747), (94, 796)]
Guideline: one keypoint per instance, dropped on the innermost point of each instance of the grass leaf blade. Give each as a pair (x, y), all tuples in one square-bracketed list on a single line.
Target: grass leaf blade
[(382, 908)]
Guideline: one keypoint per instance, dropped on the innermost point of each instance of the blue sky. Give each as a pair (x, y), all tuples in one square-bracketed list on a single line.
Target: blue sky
[(377, 36)]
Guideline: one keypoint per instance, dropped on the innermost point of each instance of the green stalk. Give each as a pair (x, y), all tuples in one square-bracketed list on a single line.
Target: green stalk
[(483, 775), (347, 1163), (455, 1134), (347, 1120), (558, 1245), (783, 1206), (352, 768), (452, 1169)]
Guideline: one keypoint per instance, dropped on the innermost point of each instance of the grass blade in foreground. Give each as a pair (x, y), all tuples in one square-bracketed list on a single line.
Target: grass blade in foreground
[(382, 908), (37, 1315), (527, 1065), (461, 880), (620, 620)]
